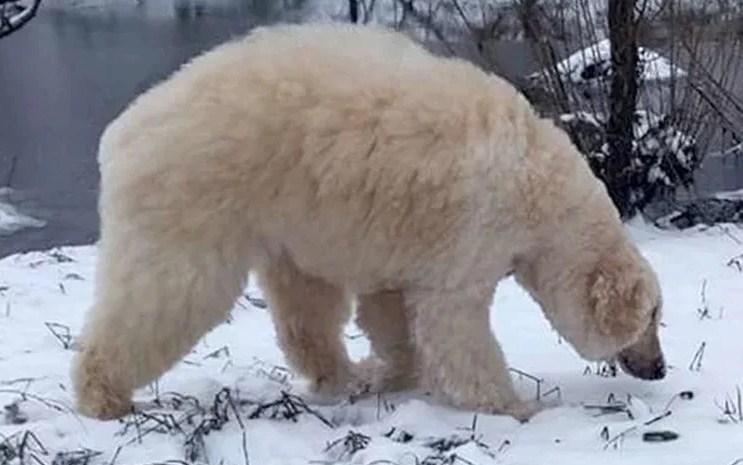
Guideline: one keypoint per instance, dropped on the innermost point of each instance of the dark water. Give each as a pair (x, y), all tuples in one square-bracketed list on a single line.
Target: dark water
[(70, 71), (74, 67)]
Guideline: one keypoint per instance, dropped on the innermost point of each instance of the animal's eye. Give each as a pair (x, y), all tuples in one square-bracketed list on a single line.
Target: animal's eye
[(655, 313)]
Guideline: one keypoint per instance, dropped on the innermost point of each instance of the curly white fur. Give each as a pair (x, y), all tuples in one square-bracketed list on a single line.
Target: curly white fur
[(339, 161)]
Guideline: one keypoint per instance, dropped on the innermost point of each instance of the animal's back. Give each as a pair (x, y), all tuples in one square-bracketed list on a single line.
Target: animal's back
[(316, 135)]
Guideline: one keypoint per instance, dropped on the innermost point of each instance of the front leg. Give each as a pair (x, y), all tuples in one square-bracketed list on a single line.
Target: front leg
[(460, 359)]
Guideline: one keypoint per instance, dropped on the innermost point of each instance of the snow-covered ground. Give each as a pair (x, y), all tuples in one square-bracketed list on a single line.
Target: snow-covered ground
[(237, 368)]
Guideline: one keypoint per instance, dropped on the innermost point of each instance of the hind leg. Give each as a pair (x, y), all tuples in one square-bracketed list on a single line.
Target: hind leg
[(384, 318), (309, 315), (153, 302)]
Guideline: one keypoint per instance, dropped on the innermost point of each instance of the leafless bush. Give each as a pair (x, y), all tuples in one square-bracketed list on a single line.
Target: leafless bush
[(695, 95)]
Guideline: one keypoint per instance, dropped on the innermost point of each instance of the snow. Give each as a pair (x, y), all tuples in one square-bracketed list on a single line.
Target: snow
[(11, 220), (43, 293), (730, 195), (582, 116), (593, 63)]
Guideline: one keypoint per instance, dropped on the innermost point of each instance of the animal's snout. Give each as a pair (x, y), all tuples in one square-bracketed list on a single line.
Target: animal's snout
[(653, 370), (656, 370)]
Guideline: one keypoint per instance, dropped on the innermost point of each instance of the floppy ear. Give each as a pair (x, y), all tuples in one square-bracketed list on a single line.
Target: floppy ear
[(620, 297)]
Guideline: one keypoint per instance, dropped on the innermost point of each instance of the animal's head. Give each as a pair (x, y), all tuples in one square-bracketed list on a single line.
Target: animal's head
[(608, 306), (626, 304)]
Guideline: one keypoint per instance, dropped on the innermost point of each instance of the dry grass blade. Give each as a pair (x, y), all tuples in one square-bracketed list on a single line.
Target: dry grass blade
[(75, 457), (617, 439), (223, 351), (696, 361), (736, 262), (602, 369), (399, 435), (610, 409), (22, 447), (732, 407), (25, 396), (62, 333), (288, 407), (343, 449)]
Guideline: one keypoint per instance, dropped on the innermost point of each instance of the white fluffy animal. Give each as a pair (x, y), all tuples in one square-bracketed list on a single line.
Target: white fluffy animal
[(337, 161)]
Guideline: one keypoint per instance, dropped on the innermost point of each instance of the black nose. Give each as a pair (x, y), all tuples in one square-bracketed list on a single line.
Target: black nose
[(659, 368), (651, 370)]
